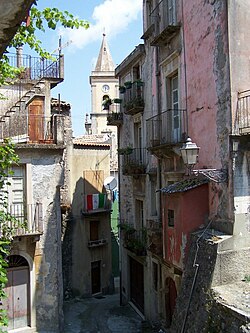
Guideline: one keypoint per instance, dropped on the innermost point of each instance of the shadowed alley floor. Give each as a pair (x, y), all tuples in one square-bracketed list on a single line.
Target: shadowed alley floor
[(102, 315)]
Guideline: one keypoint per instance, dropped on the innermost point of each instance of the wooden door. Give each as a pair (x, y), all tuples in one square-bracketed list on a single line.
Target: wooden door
[(17, 301), (96, 276), (170, 300), (36, 120), (137, 284)]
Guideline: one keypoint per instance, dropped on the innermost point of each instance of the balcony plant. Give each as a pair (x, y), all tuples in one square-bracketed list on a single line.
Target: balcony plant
[(106, 103), (138, 83), (122, 89), (125, 151), (117, 100), (128, 84)]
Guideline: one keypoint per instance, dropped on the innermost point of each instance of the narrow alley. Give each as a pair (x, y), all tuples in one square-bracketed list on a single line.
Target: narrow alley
[(103, 314)]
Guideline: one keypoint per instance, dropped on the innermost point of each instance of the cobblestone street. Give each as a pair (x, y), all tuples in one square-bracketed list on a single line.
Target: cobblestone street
[(102, 315)]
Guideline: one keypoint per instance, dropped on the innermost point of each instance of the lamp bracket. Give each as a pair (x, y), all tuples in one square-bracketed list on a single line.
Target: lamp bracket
[(215, 175)]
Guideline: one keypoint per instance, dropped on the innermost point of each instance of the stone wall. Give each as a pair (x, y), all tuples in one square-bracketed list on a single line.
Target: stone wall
[(198, 308)]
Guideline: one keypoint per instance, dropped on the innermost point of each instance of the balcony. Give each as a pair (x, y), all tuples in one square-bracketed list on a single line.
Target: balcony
[(134, 240), (97, 203), (164, 21), (133, 161), (166, 131), (115, 116), (28, 219), (97, 243), (32, 129), (133, 97), (243, 113), (35, 68)]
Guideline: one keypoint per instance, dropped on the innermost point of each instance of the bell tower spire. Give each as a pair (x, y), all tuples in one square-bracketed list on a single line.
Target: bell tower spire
[(104, 62)]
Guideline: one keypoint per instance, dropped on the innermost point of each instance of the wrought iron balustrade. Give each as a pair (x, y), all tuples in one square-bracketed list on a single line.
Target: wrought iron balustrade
[(167, 128), (25, 128), (164, 19), (134, 160), (135, 240), (134, 98), (28, 219), (35, 68)]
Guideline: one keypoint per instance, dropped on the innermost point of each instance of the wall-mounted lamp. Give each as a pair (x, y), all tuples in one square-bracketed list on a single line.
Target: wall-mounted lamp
[(189, 153)]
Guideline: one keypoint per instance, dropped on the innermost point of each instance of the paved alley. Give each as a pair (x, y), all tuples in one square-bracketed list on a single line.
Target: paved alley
[(102, 315)]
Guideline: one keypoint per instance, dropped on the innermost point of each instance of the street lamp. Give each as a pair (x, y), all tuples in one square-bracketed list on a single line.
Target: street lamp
[(189, 153)]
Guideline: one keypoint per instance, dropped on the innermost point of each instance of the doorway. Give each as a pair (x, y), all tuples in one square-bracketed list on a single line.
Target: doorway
[(18, 293), (137, 284), (96, 277), (170, 300)]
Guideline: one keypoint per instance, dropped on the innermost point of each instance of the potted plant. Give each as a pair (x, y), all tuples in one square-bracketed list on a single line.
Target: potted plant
[(138, 83), (117, 100), (128, 84), (106, 103), (122, 89)]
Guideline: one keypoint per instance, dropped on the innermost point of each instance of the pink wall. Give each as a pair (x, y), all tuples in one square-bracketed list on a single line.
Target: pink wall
[(206, 50), (191, 210)]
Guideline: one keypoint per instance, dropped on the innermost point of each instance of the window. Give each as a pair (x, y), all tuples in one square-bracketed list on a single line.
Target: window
[(155, 275), (171, 12), (94, 230), (173, 107), (16, 193), (170, 217)]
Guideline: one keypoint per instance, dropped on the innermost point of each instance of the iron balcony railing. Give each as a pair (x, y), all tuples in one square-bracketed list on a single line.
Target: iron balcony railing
[(134, 98), (35, 68), (164, 19), (134, 160), (32, 128), (115, 116), (134, 240), (28, 219), (167, 128), (243, 113)]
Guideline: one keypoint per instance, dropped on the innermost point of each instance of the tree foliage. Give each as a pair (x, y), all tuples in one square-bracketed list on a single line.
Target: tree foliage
[(27, 35), (8, 223)]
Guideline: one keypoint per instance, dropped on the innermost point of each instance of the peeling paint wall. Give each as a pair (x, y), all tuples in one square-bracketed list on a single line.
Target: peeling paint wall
[(46, 174)]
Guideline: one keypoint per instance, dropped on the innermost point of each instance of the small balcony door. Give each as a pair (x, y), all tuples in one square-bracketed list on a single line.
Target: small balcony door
[(175, 112)]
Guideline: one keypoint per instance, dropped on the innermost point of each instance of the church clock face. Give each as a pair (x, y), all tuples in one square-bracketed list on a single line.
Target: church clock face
[(105, 88)]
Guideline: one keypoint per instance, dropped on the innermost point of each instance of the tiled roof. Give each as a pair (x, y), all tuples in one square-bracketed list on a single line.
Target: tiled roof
[(185, 185), (55, 103), (92, 140)]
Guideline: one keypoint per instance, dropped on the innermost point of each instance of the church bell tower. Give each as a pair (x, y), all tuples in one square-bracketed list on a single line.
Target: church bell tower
[(104, 87)]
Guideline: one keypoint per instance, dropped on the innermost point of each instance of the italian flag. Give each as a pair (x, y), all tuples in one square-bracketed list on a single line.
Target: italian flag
[(95, 201)]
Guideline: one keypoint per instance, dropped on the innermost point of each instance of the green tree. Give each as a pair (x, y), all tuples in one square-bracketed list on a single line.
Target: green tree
[(8, 223), (27, 35)]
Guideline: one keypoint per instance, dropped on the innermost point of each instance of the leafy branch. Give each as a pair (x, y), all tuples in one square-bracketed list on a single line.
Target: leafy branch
[(26, 34)]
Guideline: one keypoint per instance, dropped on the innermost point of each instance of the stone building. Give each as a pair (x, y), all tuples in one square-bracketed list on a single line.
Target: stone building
[(37, 127), (86, 236), (184, 223)]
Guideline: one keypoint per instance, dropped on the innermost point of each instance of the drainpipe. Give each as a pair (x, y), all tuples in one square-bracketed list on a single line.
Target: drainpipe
[(158, 104)]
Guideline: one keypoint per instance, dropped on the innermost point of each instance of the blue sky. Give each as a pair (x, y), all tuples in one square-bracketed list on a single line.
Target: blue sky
[(122, 21)]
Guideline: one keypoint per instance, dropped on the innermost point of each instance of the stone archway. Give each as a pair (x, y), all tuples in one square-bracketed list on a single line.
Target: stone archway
[(170, 299)]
